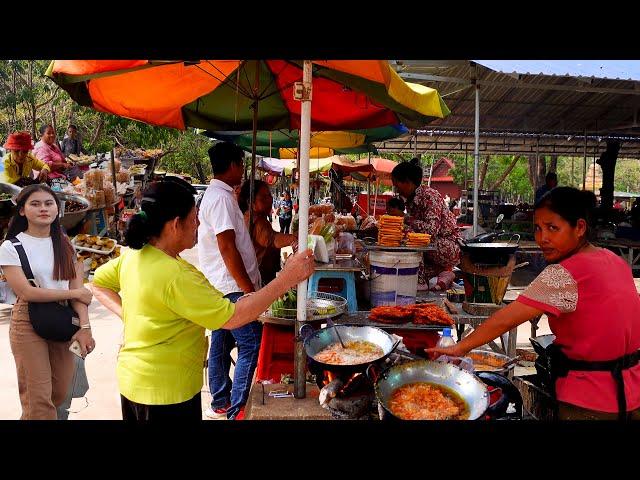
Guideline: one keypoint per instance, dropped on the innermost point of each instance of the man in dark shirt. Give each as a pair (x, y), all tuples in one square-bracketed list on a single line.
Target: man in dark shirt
[(551, 182), (71, 144)]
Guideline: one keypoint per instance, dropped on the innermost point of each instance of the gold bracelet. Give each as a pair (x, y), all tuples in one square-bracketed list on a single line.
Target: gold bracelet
[(87, 326)]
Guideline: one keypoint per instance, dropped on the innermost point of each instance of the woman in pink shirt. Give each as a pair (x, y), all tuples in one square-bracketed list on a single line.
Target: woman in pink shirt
[(589, 296), (48, 150)]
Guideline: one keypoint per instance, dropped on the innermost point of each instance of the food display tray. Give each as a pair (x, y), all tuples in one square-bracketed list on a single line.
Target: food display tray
[(93, 250)]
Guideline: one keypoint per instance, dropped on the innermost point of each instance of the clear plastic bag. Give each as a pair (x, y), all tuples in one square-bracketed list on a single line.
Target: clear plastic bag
[(346, 243)]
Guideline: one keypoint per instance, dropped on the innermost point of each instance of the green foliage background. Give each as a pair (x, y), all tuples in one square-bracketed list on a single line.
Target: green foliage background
[(28, 99)]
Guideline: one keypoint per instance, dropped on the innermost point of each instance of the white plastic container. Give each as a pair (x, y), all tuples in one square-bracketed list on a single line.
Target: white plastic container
[(394, 277)]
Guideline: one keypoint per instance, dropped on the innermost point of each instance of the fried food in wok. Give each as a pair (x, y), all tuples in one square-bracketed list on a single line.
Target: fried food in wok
[(355, 353), (427, 401)]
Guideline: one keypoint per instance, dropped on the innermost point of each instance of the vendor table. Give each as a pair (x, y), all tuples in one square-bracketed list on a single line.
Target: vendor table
[(462, 320), (629, 250)]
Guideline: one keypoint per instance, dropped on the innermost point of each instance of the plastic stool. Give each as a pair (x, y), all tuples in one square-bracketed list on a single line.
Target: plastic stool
[(348, 291), (276, 352)]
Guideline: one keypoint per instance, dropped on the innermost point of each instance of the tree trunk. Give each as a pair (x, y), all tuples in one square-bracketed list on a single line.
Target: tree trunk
[(537, 172), (553, 164), (483, 173), (506, 173), (54, 120), (608, 161), (201, 175), (96, 134)]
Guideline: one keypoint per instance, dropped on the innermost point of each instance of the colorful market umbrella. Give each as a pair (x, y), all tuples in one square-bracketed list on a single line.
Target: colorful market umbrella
[(222, 94), (284, 143)]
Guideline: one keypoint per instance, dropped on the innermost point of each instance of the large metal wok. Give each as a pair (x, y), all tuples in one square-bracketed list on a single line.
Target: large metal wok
[(468, 386), (484, 244), (320, 339)]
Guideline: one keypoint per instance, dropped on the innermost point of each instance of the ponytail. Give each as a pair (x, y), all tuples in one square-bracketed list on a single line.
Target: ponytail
[(162, 202)]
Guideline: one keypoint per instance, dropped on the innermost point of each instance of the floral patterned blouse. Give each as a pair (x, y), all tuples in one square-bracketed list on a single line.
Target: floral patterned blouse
[(427, 213)]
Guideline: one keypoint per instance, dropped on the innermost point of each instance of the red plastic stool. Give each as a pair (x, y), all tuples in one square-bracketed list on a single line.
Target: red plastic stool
[(276, 352)]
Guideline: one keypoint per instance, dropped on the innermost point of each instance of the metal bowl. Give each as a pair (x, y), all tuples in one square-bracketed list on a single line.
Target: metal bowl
[(14, 190), (70, 220)]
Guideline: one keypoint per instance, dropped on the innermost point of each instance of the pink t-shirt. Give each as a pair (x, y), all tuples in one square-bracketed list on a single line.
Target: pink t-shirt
[(49, 154), (594, 312)]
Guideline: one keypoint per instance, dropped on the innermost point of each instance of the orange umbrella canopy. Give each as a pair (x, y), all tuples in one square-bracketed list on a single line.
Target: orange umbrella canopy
[(222, 94)]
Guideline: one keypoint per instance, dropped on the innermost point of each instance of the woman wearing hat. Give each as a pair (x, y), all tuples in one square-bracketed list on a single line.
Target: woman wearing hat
[(19, 163)]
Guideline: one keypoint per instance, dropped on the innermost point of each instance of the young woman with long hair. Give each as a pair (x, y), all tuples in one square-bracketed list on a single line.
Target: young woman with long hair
[(45, 367)]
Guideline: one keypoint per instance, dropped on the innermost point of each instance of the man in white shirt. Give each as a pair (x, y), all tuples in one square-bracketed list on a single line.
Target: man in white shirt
[(228, 260)]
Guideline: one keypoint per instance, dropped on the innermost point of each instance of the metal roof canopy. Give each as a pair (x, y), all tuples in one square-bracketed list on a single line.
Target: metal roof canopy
[(526, 112)]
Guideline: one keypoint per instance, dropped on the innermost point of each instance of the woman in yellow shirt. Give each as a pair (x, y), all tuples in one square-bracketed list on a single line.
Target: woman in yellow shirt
[(19, 164), (166, 304)]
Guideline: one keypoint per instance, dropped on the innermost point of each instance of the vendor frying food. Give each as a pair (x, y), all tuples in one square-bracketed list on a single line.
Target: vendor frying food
[(589, 296)]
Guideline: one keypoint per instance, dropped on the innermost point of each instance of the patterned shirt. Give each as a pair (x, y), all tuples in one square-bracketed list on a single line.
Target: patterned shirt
[(427, 213), (284, 205)]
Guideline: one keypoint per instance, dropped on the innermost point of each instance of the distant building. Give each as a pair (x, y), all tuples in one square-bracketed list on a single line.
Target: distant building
[(442, 180)]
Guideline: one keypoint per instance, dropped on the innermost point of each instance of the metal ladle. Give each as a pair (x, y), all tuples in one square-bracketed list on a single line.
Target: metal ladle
[(333, 325)]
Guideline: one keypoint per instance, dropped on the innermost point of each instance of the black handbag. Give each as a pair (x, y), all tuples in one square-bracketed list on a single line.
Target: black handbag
[(50, 320)]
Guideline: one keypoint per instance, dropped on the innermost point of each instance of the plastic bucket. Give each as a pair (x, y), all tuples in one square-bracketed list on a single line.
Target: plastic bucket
[(394, 277)]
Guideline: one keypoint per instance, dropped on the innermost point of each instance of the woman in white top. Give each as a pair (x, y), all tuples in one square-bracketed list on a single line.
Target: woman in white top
[(45, 367)]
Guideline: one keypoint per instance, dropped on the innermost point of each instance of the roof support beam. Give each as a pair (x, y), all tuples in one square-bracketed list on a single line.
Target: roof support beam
[(521, 84)]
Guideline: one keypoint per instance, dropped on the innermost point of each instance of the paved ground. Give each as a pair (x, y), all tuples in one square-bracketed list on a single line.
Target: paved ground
[(102, 401)]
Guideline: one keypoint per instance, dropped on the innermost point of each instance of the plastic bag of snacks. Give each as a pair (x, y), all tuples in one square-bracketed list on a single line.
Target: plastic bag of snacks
[(123, 176), (100, 200), (109, 194), (94, 178)]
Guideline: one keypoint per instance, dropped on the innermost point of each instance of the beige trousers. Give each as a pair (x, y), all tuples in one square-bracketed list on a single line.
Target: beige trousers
[(45, 368)]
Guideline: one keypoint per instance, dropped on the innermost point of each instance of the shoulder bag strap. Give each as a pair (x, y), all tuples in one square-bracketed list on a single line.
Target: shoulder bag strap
[(26, 268)]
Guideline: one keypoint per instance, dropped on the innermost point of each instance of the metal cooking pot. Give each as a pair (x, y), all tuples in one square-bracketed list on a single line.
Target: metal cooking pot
[(322, 338), (468, 386)]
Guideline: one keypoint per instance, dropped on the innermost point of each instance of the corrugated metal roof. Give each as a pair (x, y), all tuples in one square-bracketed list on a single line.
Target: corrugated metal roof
[(541, 98), (606, 69)]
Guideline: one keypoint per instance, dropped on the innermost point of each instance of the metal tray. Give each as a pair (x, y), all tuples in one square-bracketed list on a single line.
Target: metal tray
[(401, 248), (320, 306)]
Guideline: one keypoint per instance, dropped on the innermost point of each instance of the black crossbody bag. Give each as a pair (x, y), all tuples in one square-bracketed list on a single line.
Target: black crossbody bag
[(50, 320)]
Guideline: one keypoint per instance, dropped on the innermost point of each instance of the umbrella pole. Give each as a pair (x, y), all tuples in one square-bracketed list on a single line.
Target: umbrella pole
[(116, 212), (476, 162), (369, 189), (253, 147), (300, 361)]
